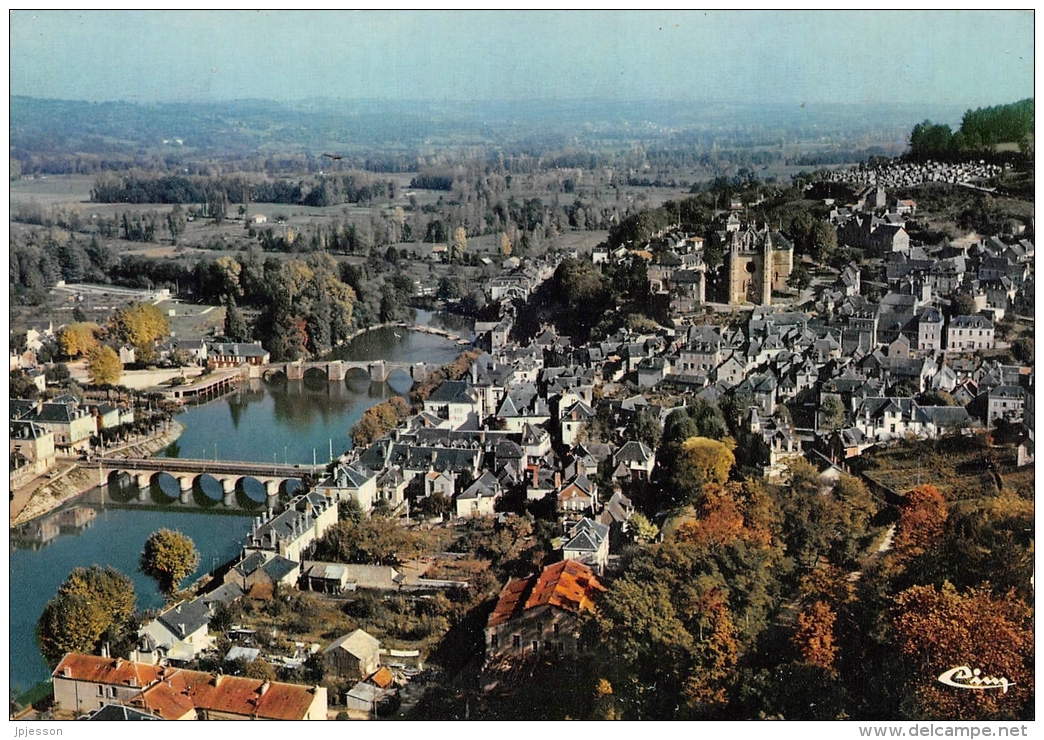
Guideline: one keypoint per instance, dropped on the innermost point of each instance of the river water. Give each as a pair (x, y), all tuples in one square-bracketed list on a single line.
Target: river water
[(277, 420)]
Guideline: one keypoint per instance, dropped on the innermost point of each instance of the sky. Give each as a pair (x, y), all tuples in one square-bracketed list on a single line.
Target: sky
[(946, 57)]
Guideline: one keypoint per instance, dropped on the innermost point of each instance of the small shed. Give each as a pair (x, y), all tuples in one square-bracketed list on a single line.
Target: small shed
[(355, 655)]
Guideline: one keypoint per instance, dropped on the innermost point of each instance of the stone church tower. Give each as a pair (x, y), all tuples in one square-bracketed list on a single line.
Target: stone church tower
[(759, 263)]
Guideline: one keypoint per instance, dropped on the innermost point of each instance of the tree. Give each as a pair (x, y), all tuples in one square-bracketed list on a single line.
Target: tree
[(643, 529), (91, 603), (814, 636), (963, 304), (703, 460), (922, 520), (1022, 350), (78, 339), (104, 366), (260, 669), (799, 277), (141, 325), (236, 329), (506, 248), (168, 557), (939, 630), (22, 386), (459, 246), (831, 414)]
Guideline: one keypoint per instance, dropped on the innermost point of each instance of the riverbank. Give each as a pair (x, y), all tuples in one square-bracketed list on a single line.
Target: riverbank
[(75, 479)]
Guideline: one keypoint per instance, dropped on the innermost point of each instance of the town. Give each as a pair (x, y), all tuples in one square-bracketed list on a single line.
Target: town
[(642, 435), (577, 431)]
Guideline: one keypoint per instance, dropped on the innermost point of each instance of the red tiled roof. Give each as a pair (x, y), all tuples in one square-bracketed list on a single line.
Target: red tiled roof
[(566, 585), (172, 693), (109, 671)]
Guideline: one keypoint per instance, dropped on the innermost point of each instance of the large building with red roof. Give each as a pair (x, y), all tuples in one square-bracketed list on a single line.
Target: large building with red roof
[(84, 683), (541, 613)]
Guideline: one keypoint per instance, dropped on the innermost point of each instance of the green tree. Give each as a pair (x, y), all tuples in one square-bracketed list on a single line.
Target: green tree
[(236, 329), (89, 604), (104, 366), (800, 278), (831, 414), (1022, 350), (642, 529), (963, 304), (260, 669), (22, 386), (168, 557)]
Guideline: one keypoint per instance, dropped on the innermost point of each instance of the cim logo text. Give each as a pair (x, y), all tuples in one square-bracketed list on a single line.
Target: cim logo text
[(963, 677)]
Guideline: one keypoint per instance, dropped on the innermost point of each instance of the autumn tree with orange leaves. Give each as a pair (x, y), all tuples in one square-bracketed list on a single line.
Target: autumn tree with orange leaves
[(938, 630), (922, 520), (814, 636)]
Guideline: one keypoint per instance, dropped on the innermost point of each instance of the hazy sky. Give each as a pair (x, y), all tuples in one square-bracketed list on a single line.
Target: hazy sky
[(946, 57)]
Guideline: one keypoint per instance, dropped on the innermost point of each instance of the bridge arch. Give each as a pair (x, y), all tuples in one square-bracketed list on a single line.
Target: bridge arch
[(207, 491), (357, 378), (251, 493)]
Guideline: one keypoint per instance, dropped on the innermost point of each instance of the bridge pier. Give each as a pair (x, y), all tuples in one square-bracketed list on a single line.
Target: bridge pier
[(419, 372), (185, 482), (335, 371), (228, 485), (378, 372), (186, 495), (295, 371), (144, 482)]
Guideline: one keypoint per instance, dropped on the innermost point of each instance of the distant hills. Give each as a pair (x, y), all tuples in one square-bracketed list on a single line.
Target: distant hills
[(44, 126)]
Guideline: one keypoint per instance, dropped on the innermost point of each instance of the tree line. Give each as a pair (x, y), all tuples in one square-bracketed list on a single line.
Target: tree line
[(980, 132)]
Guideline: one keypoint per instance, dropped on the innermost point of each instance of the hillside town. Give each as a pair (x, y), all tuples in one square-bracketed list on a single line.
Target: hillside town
[(822, 374)]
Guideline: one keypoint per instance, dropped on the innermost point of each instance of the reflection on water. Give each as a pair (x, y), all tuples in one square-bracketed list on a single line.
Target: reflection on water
[(279, 421), (44, 552), (298, 421), (44, 530)]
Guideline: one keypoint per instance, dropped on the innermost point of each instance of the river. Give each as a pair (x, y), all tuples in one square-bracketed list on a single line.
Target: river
[(259, 421)]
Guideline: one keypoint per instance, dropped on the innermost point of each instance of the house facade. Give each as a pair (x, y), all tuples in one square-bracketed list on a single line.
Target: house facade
[(87, 683), (541, 613)]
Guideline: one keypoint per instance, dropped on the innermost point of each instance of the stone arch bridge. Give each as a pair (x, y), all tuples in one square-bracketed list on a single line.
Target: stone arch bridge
[(193, 477), (337, 370)]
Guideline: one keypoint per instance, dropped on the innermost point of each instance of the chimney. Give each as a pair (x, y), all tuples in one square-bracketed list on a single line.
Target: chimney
[(536, 477)]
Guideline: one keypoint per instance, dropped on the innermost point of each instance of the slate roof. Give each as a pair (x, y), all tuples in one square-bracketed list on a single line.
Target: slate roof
[(453, 391), (187, 617), (279, 567), (237, 349)]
